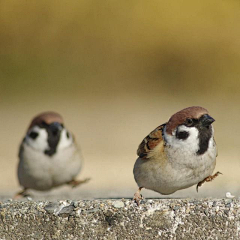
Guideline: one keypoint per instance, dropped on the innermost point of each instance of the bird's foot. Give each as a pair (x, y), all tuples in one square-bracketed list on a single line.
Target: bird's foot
[(138, 196), (74, 183), (21, 194), (207, 179)]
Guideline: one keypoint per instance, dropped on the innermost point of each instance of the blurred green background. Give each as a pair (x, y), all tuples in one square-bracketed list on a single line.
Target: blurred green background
[(115, 70)]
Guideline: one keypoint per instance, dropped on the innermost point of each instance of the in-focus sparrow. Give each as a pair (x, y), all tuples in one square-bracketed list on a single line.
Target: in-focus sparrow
[(48, 155), (177, 154)]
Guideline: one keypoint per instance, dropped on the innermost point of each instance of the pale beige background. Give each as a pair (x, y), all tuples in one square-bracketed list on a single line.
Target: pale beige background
[(115, 70)]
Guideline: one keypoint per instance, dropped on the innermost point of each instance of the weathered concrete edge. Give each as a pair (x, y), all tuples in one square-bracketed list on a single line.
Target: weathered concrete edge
[(121, 219)]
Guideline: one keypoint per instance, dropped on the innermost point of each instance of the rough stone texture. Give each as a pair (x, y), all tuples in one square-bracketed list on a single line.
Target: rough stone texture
[(121, 219)]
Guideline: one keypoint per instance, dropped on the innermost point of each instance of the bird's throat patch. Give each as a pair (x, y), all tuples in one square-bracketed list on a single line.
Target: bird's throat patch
[(205, 134)]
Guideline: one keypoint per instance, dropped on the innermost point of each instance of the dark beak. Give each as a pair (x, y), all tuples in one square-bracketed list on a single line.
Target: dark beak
[(55, 128), (207, 120)]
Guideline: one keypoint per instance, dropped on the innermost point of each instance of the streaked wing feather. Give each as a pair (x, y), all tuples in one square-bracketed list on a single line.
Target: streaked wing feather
[(150, 142)]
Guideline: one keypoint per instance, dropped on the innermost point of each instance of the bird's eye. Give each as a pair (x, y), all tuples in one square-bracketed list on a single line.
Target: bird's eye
[(33, 135), (189, 122)]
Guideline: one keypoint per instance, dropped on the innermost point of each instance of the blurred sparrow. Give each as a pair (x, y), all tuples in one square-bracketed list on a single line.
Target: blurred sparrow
[(48, 155), (177, 154)]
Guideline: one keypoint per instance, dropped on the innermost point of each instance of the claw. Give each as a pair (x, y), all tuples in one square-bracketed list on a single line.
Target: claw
[(207, 179), (138, 196), (74, 183), (21, 194)]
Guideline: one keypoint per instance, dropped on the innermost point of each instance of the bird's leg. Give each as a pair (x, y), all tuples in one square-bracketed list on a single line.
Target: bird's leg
[(207, 179), (138, 196), (74, 183), (21, 194)]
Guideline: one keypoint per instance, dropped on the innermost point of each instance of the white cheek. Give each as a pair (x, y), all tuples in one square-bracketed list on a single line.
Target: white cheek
[(191, 143), (64, 140), (40, 143)]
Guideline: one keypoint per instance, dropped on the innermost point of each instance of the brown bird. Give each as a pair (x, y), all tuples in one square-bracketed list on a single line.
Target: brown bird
[(177, 154), (48, 155)]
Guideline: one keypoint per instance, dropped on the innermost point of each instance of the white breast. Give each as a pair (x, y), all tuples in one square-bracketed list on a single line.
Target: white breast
[(39, 171), (178, 166)]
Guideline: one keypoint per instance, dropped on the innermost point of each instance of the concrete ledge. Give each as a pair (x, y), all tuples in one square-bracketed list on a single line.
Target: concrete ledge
[(121, 219)]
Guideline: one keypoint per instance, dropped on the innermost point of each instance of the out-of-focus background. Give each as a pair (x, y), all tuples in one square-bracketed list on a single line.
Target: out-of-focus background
[(116, 70)]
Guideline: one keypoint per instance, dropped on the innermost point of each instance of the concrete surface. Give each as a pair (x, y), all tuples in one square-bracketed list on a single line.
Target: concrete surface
[(121, 219)]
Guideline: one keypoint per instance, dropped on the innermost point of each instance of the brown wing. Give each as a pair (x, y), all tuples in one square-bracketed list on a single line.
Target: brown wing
[(150, 141)]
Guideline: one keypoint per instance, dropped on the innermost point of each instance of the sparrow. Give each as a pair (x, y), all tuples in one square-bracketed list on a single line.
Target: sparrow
[(48, 155), (177, 154)]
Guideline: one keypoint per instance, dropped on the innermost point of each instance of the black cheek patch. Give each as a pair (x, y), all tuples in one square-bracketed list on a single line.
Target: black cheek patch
[(182, 135), (67, 134), (33, 135)]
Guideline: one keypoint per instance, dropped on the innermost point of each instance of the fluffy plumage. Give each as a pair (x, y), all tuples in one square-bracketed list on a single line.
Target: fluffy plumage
[(177, 154), (48, 155)]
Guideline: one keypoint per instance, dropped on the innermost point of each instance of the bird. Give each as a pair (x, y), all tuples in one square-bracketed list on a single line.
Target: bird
[(177, 154), (48, 155)]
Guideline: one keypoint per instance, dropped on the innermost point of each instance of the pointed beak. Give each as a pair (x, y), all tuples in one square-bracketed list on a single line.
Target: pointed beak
[(207, 120), (55, 128)]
